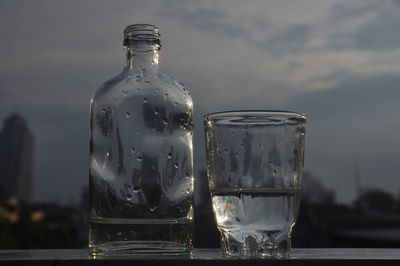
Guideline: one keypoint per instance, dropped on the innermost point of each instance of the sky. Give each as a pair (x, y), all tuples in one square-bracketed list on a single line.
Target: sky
[(337, 61)]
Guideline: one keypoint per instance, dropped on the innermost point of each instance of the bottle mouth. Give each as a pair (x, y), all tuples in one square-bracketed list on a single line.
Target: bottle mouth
[(145, 34)]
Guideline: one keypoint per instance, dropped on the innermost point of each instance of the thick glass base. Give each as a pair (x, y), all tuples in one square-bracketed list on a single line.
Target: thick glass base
[(140, 237), (251, 248), (140, 249)]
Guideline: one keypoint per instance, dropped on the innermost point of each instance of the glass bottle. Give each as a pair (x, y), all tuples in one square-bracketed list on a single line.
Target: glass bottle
[(141, 157)]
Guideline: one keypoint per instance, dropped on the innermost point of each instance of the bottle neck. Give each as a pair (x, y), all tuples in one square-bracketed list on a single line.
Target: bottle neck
[(142, 56)]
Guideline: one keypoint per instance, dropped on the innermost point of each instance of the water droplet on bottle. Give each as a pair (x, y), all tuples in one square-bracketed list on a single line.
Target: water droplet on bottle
[(157, 89), (187, 176), (188, 191), (109, 155), (138, 78), (152, 209), (225, 150), (156, 111), (165, 96), (269, 163), (153, 167), (274, 171), (176, 165), (237, 155), (138, 89), (147, 82), (176, 103), (108, 237), (300, 130), (136, 189), (124, 92), (145, 100), (128, 196), (119, 233), (232, 133), (169, 155), (127, 114), (165, 121), (132, 149), (139, 158)]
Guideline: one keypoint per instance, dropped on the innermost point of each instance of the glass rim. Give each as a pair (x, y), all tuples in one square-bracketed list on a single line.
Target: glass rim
[(255, 113)]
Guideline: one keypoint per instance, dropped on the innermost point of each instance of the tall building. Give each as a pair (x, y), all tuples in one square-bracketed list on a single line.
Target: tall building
[(16, 159)]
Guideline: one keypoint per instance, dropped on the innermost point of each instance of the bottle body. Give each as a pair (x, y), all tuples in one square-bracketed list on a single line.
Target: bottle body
[(141, 166)]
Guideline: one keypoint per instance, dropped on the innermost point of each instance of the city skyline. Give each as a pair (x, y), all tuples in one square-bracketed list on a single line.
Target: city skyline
[(16, 159)]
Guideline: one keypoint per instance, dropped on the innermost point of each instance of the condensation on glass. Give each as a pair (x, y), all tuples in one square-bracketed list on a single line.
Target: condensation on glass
[(255, 166), (141, 158)]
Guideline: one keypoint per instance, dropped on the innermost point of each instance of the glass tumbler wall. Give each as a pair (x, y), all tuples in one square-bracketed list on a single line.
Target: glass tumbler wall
[(255, 167), (141, 163)]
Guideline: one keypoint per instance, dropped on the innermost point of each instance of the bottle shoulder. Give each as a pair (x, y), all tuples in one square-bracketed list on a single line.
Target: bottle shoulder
[(141, 82), (108, 85), (170, 80), (179, 86)]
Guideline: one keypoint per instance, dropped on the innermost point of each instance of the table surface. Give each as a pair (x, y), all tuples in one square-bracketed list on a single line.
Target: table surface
[(324, 257)]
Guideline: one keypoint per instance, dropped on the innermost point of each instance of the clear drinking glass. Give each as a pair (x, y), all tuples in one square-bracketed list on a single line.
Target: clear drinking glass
[(255, 167)]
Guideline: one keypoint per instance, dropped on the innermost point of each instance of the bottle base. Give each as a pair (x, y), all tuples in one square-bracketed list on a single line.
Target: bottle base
[(112, 237), (140, 249)]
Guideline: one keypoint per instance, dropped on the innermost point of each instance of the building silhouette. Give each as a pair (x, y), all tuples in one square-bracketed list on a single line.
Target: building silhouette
[(16, 159)]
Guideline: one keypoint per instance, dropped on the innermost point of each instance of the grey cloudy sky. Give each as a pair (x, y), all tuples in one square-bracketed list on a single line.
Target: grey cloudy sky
[(338, 61)]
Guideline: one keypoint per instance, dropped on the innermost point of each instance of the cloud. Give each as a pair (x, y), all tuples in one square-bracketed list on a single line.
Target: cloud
[(355, 95), (293, 39), (211, 20), (351, 10), (254, 29), (205, 16), (382, 33), (358, 117), (365, 25)]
